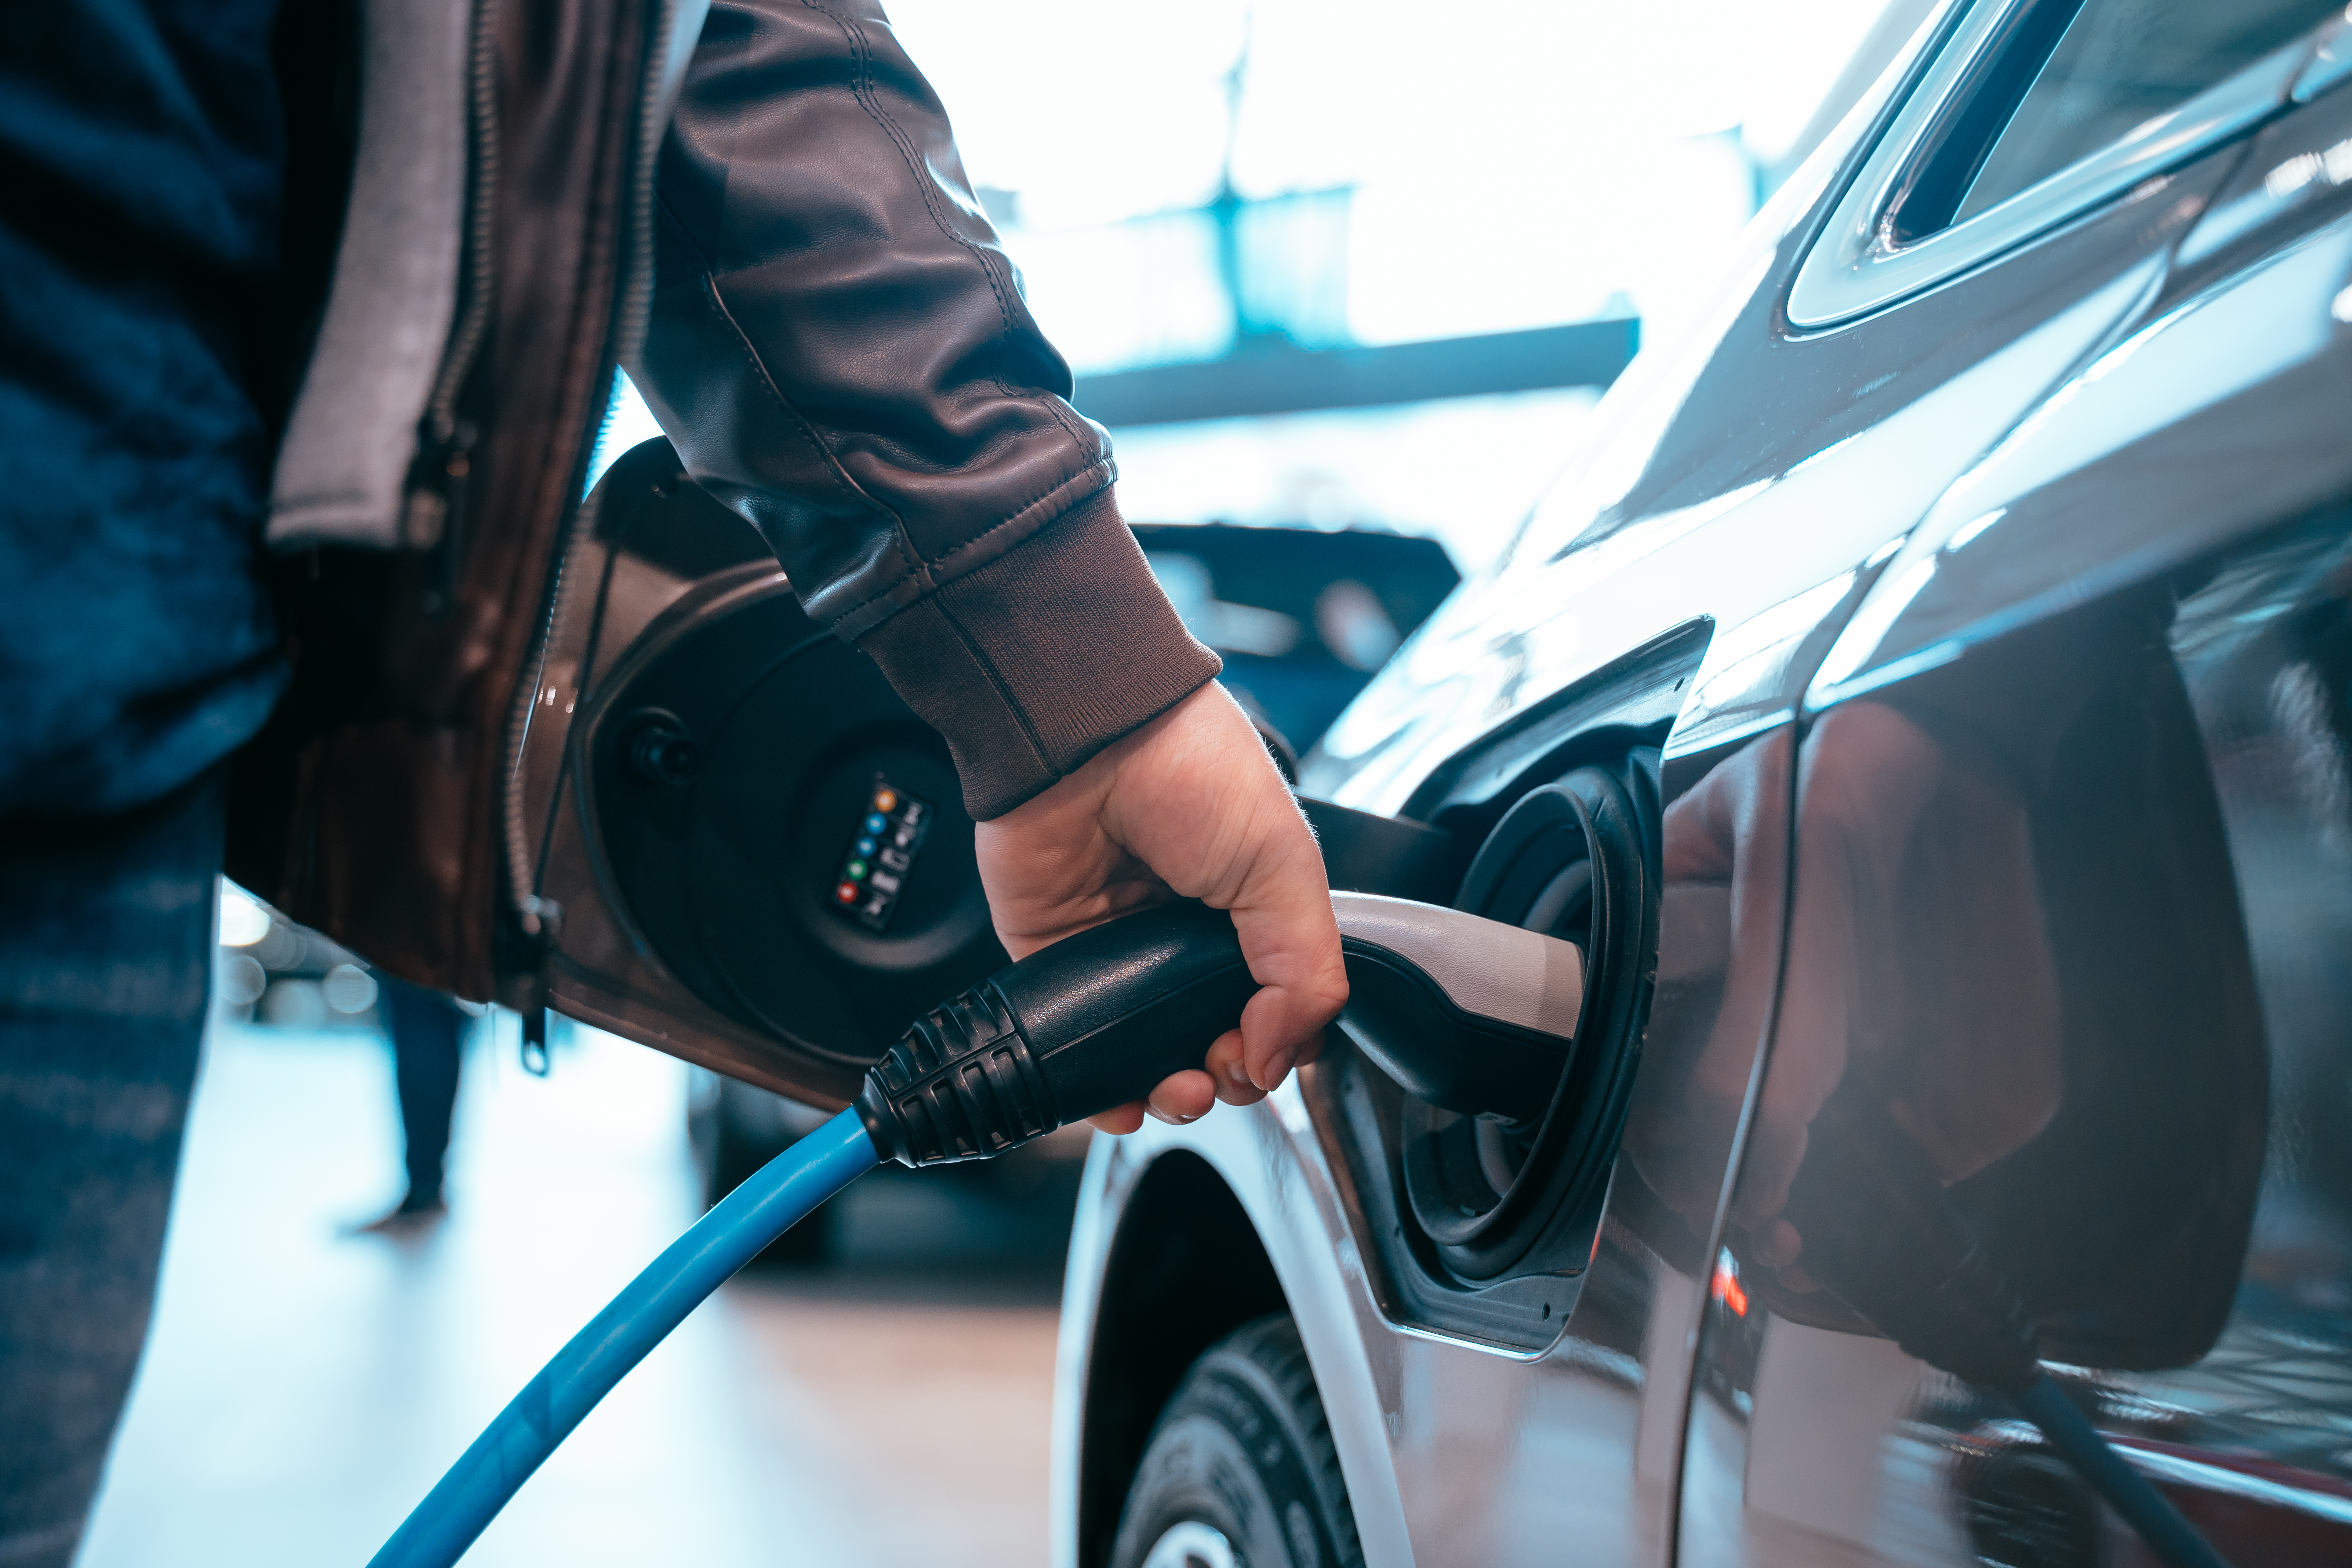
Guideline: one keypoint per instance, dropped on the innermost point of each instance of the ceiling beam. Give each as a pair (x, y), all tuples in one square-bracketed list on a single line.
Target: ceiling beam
[(1277, 378)]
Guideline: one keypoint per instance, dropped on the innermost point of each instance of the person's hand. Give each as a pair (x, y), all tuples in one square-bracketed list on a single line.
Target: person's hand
[(1189, 805), (1915, 941)]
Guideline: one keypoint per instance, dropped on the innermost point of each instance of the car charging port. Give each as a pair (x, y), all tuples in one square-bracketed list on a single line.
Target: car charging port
[(1514, 1180)]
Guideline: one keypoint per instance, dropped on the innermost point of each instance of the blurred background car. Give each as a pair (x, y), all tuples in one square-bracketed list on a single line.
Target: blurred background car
[(1301, 617)]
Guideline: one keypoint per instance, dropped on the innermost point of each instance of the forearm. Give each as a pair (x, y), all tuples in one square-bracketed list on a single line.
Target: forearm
[(839, 351)]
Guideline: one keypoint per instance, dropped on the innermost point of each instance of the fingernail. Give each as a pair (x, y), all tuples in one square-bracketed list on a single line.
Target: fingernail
[(1238, 1071), (1276, 1066)]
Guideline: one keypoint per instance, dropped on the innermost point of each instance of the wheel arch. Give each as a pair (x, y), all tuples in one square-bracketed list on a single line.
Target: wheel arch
[(1185, 1268)]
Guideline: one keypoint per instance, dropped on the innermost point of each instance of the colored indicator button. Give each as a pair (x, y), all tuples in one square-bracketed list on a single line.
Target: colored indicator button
[(876, 823), (884, 799), (855, 871), (865, 847), (846, 893)]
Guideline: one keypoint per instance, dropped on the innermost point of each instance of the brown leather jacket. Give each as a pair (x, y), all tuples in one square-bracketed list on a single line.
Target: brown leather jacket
[(835, 340)]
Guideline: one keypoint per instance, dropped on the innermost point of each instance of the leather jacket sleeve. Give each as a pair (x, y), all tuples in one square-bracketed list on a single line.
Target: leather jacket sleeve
[(839, 349)]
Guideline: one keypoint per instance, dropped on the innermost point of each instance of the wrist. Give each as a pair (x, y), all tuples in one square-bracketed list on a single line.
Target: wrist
[(1033, 664)]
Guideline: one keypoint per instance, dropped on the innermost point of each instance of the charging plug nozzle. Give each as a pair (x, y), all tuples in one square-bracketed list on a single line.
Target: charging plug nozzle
[(1467, 1013)]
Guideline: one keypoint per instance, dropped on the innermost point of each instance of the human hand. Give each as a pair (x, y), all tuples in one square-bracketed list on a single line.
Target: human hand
[(1191, 806)]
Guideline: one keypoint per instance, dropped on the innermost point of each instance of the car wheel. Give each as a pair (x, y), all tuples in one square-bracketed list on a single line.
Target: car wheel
[(1241, 1469)]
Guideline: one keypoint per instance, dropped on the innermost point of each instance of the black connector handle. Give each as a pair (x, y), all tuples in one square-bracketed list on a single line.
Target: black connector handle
[(1465, 1011), (1092, 1022)]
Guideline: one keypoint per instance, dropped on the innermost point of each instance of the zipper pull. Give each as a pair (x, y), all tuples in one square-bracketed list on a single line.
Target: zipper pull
[(541, 920), (534, 1042)]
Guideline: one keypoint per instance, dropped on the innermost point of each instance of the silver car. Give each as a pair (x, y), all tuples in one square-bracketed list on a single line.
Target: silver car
[(1928, 705), (1932, 696)]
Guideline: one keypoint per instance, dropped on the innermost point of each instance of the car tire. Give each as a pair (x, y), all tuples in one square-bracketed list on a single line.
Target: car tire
[(1240, 1469)]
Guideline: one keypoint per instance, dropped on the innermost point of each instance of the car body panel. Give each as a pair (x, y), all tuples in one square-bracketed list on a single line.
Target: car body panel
[(2206, 1320), (2219, 417), (1454, 1452)]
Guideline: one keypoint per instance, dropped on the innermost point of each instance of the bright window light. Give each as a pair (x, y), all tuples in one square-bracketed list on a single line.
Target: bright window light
[(1584, 158), (243, 919)]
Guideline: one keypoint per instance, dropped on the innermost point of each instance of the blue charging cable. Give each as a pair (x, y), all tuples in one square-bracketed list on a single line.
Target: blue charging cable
[(784, 1191), (1092, 1022)]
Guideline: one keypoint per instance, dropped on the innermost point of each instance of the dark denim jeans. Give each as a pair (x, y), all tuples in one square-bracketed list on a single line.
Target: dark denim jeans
[(106, 951)]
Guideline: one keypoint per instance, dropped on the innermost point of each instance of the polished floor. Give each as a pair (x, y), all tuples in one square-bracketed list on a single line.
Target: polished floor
[(303, 1387)]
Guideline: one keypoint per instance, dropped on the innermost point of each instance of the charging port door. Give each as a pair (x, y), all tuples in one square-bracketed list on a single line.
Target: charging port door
[(761, 854)]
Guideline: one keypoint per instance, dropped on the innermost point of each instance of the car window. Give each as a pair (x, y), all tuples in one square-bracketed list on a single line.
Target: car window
[(2120, 63)]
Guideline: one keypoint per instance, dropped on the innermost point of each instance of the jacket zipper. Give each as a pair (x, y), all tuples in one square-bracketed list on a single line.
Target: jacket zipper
[(438, 516), (539, 919)]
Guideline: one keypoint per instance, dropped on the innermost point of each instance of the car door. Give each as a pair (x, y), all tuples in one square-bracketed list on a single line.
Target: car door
[(2070, 894)]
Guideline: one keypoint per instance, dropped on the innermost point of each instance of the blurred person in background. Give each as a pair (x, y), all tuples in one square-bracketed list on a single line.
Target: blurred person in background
[(427, 1033), (838, 349)]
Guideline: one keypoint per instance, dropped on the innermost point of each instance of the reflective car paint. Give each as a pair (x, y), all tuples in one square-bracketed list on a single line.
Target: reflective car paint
[(1782, 462)]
